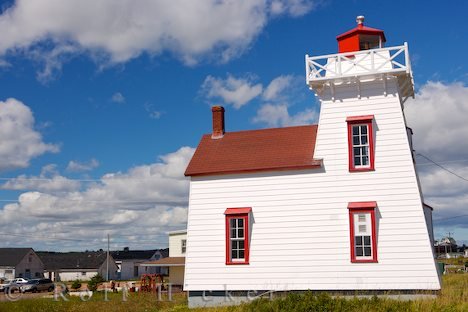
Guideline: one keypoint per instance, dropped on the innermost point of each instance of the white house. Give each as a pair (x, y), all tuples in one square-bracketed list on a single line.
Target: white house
[(20, 262), (175, 263), (331, 207), (128, 262), (70, 266)]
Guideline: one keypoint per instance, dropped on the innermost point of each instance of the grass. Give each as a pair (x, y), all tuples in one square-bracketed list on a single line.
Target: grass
[(453, 297)]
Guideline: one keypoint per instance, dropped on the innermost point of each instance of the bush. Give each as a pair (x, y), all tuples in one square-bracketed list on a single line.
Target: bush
[(76, 284), (94, 282)]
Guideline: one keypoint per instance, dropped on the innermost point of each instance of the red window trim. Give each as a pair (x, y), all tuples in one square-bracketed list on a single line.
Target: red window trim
[(368, 207), (354, 120), (236, 213)]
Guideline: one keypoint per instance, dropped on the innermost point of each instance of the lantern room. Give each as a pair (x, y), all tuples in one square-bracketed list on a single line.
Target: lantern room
[(360, 38)]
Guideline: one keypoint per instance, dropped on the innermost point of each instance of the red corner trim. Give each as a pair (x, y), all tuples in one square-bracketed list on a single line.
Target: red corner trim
[(361, 205), (356, 207), (234, 211), (360, 118)]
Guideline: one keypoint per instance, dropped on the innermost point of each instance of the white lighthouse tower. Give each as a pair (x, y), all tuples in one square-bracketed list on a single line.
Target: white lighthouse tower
[(365, 144)]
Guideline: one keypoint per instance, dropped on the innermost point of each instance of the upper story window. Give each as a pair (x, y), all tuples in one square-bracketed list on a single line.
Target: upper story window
[(360, 143), (237, 235), (363, 232), (184, 246)]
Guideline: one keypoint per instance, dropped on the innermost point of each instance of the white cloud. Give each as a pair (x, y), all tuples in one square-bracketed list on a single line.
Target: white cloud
[(277, 115), (291, 7), (439, 118), (233, 91), (48, 181), (118, 98), (75, 166), (117, 31), (277, 90), (153, 113), (19, 141), (147, 199)]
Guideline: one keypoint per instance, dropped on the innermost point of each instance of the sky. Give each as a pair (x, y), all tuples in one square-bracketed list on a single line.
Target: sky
[(102, 104)]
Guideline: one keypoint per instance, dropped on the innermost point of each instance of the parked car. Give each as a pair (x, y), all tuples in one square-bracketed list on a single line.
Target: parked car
[(4, 284), (14, 284), (37, 285)]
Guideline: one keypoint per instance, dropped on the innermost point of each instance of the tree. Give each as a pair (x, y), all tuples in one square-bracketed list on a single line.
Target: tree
[(76, 284), (94, 282)]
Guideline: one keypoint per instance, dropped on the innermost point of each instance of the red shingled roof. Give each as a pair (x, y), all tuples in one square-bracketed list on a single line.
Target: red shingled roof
[(290, 148)]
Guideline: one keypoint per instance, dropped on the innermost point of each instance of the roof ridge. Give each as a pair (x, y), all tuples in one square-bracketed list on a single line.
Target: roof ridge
[(266, 129)]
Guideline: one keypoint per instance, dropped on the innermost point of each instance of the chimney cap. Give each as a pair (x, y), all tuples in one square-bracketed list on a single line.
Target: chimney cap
[(360, 19), (217, 108)]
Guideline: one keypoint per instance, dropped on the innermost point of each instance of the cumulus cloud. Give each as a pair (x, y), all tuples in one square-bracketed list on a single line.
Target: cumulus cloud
[(438, 117), (233, 91), (19, 141), (118, 98), (277, 115), (144, 202), (117, 31), (75, 166), (48, 181)]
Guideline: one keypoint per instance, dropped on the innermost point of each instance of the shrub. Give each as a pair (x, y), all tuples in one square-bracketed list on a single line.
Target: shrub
[(76, 284), (94, 282)]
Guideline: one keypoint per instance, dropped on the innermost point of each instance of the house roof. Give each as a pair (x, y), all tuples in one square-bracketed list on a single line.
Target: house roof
[(289, 148), (361, 29), (169, 261), (133, 254), (72, 260), (12, 256), (164, 252)]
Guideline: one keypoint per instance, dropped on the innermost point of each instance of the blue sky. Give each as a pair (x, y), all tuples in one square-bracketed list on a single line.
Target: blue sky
[(112, 99)]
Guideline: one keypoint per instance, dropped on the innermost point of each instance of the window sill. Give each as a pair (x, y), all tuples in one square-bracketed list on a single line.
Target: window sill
[(361, 169), (364, 261), (237, 263)]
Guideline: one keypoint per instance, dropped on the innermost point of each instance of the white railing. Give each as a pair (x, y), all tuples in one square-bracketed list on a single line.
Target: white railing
[(391, 60)]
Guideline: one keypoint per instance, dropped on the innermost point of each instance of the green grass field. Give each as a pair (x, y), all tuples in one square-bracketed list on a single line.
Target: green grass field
[(453, 297)]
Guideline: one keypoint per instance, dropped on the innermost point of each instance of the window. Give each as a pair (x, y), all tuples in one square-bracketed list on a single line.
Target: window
[(360, 143), (362, 231), (83, 273), (184, 246), (135, 270), (237, 235)]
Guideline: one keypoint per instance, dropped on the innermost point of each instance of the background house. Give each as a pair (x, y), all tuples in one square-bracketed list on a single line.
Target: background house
[(128, 262), (20, 262), (69, 266), (175, 263)]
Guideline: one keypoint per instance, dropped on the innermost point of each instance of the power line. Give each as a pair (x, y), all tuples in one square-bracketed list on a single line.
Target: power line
[(442, 167), (460, 216), (42, 237), (104, 179), (443, 162)]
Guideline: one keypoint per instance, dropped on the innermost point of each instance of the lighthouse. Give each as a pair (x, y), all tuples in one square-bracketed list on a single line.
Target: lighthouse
[(332, 207), (366, 144)]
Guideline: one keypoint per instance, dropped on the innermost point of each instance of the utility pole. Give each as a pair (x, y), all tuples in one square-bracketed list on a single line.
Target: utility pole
[(450, 241), (107, 260)]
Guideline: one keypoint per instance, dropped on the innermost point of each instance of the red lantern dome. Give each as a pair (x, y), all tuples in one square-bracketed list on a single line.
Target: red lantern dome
[(360, 38)]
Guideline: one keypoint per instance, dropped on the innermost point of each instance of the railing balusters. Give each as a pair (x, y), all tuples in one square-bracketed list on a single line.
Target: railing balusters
[(315, 71)]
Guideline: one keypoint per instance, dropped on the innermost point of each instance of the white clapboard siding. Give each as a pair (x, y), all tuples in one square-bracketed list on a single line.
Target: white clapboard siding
[(300, 223)]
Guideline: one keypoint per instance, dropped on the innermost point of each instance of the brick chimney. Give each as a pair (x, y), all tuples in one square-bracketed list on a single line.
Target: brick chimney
[(218, 122)]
